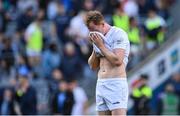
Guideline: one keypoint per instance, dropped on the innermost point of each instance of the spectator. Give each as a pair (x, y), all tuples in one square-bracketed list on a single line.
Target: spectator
[(88, 5), (62, 21), (163, 6), (51, 58), (52, 9), (3, 69), (52, 36), (71, 61), (175, 81), (134, 33), (154, 27), (56, 77), (135, 38), (7, 54), (25, 19), (63, 100), (7, 106), (3, 21), (22, 5), (141, 95), (144, 6), (22, 66), (131, 8), (18, 43), (78, 30), (26, 97), (168, 103), (80, 98), (34, 39), (120, 18)]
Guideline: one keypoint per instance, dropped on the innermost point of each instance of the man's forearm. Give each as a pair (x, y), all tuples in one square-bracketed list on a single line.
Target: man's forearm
[(111, 56), (93, 61)]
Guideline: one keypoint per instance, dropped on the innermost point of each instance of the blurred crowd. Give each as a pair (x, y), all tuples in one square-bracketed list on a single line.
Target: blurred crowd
[(163, 101), (20, 97), (47, 39)]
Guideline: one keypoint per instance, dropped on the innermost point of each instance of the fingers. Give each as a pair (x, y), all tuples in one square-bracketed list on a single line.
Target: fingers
[(95, 36), (91, 37)]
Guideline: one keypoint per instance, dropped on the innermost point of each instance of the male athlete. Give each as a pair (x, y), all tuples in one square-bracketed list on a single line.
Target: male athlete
[(111, 61)]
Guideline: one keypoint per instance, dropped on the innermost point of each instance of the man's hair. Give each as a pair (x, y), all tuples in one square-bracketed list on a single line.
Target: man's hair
[(94, 16)]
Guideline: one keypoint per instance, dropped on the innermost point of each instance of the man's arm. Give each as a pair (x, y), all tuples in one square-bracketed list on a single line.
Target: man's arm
[(93, 61), (116, 57)]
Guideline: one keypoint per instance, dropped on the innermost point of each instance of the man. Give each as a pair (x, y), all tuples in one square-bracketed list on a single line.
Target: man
[(80, 98), (142, 94), (26, 96), (34, 39), (112, 87), (63, 100), (7, 106), (168, 101)]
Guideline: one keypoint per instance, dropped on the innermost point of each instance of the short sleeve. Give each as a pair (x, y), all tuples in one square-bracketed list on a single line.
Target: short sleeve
[(120, 40)]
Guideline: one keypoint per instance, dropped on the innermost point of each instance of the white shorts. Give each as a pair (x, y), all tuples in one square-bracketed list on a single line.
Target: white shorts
[(111, 94)]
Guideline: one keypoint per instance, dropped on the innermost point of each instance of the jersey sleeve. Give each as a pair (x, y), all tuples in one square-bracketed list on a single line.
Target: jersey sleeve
[(120, 40)]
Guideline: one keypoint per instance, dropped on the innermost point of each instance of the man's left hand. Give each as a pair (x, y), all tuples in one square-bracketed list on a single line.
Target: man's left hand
[(97, 40)]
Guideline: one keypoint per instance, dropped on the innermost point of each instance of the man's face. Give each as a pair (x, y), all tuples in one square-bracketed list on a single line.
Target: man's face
[(99, 27)]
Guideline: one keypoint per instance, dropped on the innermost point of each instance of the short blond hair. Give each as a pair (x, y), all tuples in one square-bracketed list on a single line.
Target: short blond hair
[(94, 16)]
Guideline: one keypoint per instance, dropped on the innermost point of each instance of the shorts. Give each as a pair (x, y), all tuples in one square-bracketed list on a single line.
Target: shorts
[(111, 94)]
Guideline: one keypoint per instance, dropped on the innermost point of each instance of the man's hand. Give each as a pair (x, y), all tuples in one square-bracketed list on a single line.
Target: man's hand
[(97, 40)]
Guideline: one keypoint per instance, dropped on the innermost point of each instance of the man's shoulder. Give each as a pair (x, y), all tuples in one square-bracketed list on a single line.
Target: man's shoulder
[(118, 30)]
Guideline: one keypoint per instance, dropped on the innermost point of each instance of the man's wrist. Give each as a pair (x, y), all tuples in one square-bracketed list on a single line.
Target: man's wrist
[(102, 47)]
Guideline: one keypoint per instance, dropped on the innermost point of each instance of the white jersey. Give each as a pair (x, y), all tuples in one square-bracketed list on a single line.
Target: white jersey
[(116, 38)]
